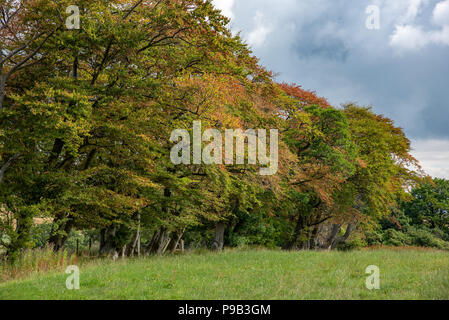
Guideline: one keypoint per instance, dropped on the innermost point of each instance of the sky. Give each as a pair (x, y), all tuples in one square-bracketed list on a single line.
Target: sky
[(392, 55)]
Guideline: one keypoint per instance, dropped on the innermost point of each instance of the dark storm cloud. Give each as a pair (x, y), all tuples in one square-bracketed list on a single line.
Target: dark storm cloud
[(327, 48), (436, 117), (312, 43)]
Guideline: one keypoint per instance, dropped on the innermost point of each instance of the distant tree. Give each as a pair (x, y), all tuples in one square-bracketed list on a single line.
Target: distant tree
[(430, 205)]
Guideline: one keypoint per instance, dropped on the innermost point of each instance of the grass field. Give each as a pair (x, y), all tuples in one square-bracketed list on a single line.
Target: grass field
[(250, 274)]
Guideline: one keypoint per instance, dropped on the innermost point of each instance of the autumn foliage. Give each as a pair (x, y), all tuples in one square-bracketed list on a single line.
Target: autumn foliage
[(304, 97), (85, 123)]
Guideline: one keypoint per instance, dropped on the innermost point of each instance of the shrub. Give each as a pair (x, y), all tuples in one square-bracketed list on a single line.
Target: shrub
[(40, 234), (397, 238), (426, 238), (354, 244), (373, 238), (413, 236)]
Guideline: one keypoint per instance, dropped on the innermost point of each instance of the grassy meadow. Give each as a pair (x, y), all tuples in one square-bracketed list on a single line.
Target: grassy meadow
[(249, 274)]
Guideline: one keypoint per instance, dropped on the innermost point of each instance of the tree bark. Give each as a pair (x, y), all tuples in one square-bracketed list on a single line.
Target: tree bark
[(332, 238), (134, 245), (314, 239), (23, 229), (338, 240), (219, 236), (161, 238), (182, 246), (150, 246), (124, 252), (107, 247), (58, 240), (159, 242), (174, 242), (55, 152), (349, 229), (2, 89), (138, 245), (292, 244), (164, 241)]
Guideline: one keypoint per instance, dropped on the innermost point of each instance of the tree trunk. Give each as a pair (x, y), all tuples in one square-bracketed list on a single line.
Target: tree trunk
[(58, 240), (138, 245), (2, 89), (349, 229), (23, 229), (293, 243), (332, 238), (138, 234), (314, 239), (338, 240), (164, 241), (150, 246), (219, 236), (107, 247), (161, 238), (159, 242), (124, 252), (182, 246), (174, 242), (58, 145), (135, 243)]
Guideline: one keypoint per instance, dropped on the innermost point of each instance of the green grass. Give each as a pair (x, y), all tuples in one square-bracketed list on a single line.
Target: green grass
[(250, 274)]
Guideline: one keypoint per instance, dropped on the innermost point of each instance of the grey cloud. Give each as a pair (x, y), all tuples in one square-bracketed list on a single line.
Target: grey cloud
[(324, 46), (312, 44), (332, 49), (433, 155)]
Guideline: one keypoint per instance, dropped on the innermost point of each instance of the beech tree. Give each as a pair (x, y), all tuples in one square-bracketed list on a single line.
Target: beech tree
[(86, 117), (319, 137), (385, 169)]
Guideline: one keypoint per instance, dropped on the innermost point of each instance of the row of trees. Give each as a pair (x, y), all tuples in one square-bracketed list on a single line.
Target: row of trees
[(85, 123)]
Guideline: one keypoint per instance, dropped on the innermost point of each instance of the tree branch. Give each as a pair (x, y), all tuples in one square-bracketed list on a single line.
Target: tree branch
[(7, 165), (32, 54)]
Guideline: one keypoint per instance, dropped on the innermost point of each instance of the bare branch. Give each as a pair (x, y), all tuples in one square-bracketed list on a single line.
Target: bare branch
[(32, 54), (24, 46)]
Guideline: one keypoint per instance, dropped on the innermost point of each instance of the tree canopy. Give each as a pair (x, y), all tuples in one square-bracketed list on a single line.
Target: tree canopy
[(86, 117)]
